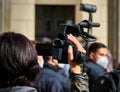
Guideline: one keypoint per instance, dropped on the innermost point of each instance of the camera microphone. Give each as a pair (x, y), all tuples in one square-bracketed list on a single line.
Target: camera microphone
[(88, 8), (87, 24)]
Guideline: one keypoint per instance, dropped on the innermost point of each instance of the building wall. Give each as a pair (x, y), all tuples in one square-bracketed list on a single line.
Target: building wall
[(4, 10), (22, 16), (1, 16), (100, 16)]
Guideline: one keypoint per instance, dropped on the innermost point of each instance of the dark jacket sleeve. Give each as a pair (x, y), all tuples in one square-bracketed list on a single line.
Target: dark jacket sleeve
[(79, 82)]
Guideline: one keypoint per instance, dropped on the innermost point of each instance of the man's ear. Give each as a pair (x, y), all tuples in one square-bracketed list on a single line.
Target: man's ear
[(55, 61), (92, 56)]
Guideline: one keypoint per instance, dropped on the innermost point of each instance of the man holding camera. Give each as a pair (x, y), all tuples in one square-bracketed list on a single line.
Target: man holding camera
[(54, 82), (79, 79), (49, 80)]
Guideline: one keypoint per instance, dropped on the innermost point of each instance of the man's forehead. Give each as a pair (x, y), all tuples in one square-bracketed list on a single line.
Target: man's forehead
[(102, 50)]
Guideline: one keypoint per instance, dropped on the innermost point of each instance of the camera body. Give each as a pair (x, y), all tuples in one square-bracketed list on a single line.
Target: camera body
[(59, 47)]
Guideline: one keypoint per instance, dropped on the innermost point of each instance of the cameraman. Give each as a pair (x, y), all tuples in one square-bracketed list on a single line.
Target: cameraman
[(79, 80)]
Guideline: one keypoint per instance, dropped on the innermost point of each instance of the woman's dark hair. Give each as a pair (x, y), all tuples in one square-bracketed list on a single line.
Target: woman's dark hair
[(18, 60)]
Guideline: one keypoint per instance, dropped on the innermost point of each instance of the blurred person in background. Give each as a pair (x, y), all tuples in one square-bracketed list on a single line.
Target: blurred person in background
[(65, 69), (49, 79)]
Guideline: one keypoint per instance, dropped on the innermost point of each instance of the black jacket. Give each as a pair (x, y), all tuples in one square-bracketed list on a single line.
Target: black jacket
[(49, 80), (79, 82)]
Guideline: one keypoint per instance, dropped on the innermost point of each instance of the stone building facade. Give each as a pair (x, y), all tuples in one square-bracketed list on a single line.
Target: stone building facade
[(19, 16)]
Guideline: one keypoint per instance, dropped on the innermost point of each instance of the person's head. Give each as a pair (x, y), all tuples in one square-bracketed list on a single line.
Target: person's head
[(50, 60), (98, 52), (108, 82), (18, 60)]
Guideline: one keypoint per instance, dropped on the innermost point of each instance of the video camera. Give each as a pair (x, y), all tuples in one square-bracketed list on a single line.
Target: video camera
[(59, 47)]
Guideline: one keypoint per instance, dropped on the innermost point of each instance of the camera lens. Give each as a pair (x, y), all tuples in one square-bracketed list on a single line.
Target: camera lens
[(58, 42)]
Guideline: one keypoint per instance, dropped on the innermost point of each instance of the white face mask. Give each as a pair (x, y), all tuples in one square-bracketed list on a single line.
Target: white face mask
[(41, 63), (61, 65), (103, 62)]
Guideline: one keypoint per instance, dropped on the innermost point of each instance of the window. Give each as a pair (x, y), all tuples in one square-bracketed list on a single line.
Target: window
[(48, 19)]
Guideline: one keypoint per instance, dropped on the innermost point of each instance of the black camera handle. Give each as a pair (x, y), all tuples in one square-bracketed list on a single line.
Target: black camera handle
[(86, 35), (89, 28), (90, 20)]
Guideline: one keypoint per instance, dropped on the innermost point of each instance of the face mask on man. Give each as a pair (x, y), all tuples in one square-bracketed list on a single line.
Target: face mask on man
[(41, 63), (103, 62), (61, 65)]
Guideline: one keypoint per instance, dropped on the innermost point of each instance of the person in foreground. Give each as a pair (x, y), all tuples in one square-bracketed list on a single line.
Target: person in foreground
[(18, 63)]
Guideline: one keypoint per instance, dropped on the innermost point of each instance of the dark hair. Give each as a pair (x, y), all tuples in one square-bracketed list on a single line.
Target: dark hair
[(47, 58), (109, 82), (95, 46), (18, 60)]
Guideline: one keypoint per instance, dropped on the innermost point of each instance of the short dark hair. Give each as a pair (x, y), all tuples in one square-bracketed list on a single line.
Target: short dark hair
[(18, 60), (95, 46), (47, 58)]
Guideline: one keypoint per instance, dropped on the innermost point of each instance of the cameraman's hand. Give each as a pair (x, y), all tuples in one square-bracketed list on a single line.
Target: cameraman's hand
[(76, 43), (74, 67)]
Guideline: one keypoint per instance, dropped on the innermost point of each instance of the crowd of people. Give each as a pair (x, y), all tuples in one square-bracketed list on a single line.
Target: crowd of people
[(22, 70)]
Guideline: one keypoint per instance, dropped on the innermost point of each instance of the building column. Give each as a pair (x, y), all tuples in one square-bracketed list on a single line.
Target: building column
[(23, 17), (118, 32), (113, 29), (4, 15)]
